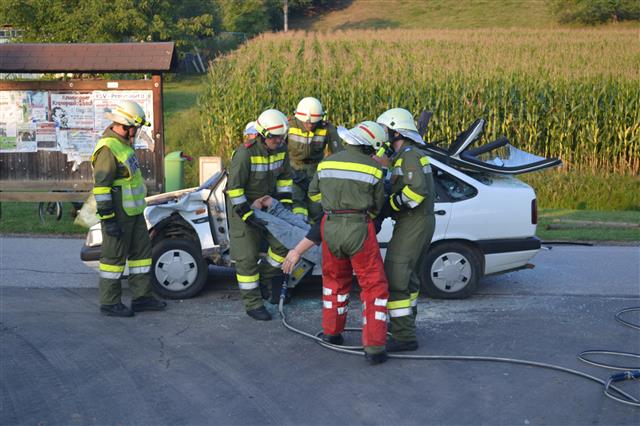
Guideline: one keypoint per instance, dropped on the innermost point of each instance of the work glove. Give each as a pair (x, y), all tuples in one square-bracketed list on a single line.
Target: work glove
[(397, 203), (385, 212), (249, 217), (255, 222), (300, 178), (112, 227)]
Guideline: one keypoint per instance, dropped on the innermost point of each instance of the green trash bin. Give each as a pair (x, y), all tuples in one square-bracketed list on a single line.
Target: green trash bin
[(174, 171)]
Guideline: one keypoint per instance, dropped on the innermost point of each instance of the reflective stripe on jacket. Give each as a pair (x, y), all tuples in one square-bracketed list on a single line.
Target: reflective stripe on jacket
[(411, 176), (307, 148), (349, 180), (132, 186), (256, 171)]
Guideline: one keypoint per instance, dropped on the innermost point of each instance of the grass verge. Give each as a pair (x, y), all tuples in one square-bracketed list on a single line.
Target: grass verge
[(23, 218), (585, 191), (182, 120), (588, 225)]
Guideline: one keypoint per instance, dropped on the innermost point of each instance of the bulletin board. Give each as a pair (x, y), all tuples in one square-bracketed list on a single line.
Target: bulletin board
[(48, 130)]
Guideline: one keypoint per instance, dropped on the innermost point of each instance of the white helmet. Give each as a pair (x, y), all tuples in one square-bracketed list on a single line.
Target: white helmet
[(250, 128), (272, 123), (127, 113), (309, 109), (401, 120), (366, 133)]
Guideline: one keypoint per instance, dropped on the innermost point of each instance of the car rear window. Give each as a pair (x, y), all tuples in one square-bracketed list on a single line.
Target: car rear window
[(451, 189)]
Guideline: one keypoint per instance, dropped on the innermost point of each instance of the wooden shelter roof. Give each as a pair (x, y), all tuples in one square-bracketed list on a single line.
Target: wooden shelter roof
[(153, 57)]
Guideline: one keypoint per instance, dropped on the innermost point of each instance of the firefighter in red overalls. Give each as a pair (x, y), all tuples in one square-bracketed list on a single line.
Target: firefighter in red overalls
[(350, 187)]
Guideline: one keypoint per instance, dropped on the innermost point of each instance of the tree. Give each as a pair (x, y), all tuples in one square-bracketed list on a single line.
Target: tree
[(247, 16), (595, 11), (184, 21)]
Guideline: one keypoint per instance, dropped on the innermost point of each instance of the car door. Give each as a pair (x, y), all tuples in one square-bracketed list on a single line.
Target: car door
[(444, 202)]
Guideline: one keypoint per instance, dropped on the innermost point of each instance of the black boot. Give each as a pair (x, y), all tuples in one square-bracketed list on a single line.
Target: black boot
[(394, 345), (116, 310), (334, 339), (260, 314), (148, 303), (374, 359)]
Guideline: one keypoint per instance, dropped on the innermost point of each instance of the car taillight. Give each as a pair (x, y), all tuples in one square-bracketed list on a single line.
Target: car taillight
[(534, 212)]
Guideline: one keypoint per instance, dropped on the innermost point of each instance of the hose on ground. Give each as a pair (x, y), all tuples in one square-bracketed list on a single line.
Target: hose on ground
[(609, 390)]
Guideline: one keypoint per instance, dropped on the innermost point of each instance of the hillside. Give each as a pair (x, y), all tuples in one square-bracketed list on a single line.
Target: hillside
[(415, 14)]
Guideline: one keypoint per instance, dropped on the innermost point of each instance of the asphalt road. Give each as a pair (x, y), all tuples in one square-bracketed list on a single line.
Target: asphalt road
[(203, 361)]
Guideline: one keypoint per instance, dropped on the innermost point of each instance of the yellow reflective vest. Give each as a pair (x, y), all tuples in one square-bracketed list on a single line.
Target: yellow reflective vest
[(132, 186)]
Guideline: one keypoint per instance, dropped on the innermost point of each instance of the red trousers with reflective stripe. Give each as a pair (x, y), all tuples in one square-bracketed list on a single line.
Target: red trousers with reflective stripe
[(337, 274)]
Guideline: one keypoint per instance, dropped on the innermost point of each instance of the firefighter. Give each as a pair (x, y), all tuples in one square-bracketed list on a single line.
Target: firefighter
[(411, 206), (309, 135), (259, 167), (350, 187), (119, 190), (250, 131)]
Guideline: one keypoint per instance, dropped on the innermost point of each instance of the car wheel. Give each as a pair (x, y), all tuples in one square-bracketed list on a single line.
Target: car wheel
[(451, 271), (178, 270)]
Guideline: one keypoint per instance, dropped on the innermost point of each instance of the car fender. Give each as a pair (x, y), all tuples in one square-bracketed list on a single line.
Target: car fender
[(191, 207)]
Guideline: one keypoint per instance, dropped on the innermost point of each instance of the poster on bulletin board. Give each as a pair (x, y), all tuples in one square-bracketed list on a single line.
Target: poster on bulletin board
[(67, 122)]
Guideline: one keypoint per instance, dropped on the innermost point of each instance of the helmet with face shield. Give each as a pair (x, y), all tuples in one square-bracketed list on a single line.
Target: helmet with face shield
[(400, 120)]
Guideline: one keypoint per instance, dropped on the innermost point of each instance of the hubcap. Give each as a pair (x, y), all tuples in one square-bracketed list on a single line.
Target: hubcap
[(176, 270), (451, 272)]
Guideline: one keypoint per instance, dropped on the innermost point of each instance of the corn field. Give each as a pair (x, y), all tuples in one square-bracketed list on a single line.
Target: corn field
[(573, 94)]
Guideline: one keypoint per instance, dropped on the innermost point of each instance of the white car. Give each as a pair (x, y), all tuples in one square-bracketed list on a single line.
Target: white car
[(485, 223)]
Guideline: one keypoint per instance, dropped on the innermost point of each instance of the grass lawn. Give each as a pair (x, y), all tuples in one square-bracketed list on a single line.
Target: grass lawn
[(182, 93), (438, 14), (575, 226), (23, 218), (182, 119), (445, 14)]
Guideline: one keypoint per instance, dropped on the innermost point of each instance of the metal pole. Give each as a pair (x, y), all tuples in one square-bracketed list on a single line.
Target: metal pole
[(286, 15)]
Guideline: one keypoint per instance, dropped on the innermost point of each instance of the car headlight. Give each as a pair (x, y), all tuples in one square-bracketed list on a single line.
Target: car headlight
[(94, 237)]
